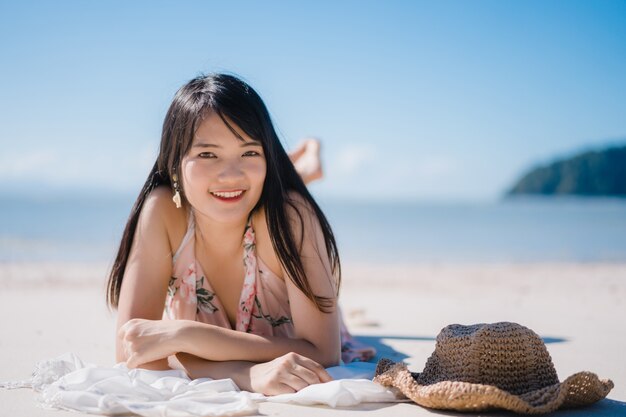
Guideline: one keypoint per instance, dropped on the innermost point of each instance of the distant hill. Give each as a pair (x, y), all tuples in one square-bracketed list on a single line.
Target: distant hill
[(593, 173)]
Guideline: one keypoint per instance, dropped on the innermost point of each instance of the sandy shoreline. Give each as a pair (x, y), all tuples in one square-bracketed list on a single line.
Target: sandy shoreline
[(51, 308)]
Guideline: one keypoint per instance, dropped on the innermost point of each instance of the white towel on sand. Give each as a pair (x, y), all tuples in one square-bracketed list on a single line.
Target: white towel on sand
[(66, 382)]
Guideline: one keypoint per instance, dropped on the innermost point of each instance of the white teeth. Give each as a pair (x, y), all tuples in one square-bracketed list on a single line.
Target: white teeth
[(229, 194)]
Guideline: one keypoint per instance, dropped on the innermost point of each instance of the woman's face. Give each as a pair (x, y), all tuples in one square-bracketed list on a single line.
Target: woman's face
[(222, 175)]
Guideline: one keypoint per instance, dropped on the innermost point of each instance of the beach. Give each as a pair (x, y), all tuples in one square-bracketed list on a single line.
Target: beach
[(50, 308), (465, 161)]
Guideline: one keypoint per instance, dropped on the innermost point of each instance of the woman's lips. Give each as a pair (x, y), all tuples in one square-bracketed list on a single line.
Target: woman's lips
[(228, 196)]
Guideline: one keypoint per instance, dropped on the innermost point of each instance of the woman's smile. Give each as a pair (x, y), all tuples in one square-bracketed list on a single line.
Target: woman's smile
[(228, 196)]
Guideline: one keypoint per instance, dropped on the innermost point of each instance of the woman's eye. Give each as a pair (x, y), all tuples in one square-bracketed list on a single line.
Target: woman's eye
[(251, 153), (207, 155)]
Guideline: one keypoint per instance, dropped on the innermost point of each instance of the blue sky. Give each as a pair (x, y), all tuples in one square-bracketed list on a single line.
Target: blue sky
[(413, 100)]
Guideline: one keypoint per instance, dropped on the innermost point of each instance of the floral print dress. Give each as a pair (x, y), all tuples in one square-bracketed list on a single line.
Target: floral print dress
[(263, 305)]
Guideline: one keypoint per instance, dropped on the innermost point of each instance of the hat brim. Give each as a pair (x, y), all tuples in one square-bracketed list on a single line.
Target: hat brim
[(580, 389)]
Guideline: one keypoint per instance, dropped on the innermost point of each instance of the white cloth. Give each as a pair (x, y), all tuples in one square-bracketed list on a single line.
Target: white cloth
[(66, 382)]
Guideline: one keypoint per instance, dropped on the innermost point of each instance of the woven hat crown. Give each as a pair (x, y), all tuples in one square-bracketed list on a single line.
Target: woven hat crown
[(506, 355)]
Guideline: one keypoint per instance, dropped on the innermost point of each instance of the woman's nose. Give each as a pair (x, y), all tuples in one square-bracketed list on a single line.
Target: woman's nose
[(231, 171)]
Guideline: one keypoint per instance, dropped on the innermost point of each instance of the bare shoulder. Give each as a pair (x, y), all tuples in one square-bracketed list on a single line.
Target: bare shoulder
[(303, 222), (264, 247), (159, 212), (149, 265), (301, 215), (296, 201)]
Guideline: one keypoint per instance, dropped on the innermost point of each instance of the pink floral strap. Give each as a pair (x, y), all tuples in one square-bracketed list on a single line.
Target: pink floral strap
[(248, 292)]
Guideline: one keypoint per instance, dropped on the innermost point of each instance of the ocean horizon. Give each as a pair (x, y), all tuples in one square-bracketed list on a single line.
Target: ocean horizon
[(87, 227)]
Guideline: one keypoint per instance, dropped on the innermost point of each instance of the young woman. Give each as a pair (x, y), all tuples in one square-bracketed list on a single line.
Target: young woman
[(227, 266)]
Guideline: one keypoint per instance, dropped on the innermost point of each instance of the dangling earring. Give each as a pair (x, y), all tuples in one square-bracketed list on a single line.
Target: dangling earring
[(176, 198)]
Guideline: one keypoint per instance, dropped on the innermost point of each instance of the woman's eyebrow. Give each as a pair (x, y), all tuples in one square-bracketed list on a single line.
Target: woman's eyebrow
[(212, 145), (205, 145), (252, 143)]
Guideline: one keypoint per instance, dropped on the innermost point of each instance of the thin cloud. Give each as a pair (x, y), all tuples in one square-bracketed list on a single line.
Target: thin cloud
[(27, 165), (353, 158), (121, 170)]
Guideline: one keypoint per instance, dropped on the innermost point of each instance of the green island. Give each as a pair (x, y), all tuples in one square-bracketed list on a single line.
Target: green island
[(590, 173)]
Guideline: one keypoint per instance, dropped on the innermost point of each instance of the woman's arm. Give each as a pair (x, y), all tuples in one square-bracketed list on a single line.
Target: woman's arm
[(146, 341), (321, 329), (285, 374), (219, 344), (148, 270)]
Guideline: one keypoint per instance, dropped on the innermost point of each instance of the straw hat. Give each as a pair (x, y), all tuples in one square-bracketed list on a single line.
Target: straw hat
[(485, 366)]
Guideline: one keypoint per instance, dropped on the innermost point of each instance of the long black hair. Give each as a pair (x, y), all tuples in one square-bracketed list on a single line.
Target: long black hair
[(232, 99)]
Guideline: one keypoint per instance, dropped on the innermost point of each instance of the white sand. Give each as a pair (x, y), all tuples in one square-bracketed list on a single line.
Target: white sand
[(49, 309)]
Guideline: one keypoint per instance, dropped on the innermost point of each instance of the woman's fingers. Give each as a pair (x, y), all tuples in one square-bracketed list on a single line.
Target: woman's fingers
[(131, 362), (288, 373), (306, 374), (282, 388), (315, 367), (302, 372), (294, 381), (145, 341), (133, 357)]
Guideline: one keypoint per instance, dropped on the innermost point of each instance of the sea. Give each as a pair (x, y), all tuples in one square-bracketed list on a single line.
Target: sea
[(86, 228)]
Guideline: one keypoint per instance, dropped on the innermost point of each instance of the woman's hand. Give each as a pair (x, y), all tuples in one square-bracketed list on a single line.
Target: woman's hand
[(145, 341), (286, 374)]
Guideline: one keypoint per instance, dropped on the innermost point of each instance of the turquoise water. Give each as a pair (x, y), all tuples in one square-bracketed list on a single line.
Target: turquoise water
[(517, 230)]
